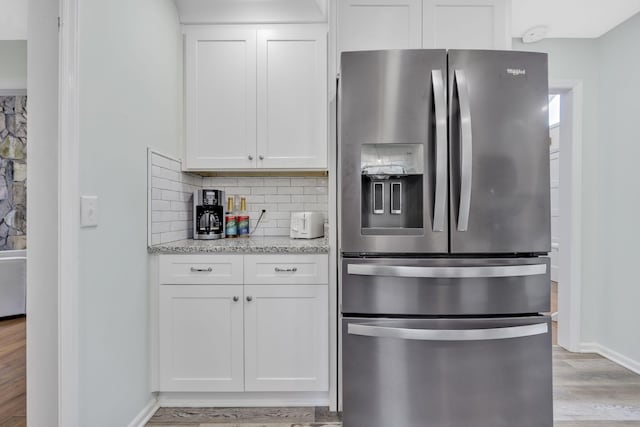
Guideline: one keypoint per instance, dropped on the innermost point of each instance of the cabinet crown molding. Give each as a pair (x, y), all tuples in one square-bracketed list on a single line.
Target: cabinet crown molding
[(251, 11)]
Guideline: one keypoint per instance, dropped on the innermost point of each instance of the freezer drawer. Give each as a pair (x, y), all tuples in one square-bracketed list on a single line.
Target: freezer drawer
[(447, 372), (405, 286)]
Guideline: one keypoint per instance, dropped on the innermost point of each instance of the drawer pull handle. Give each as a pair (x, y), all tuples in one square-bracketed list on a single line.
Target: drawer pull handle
[(201, 270), (235, 299), (249, 298), (286, 270)]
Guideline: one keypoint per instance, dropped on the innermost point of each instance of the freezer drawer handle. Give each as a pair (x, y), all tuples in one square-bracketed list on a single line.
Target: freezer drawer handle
[(466, 150), (446, 272), (448, 334), (440, 106)]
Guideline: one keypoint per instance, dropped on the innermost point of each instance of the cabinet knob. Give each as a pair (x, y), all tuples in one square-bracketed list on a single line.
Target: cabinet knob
[(249, 298), (250, 157), (261, 157), (235, 299)]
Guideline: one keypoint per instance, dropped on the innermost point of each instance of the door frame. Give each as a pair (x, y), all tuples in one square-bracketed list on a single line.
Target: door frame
[(69, 216), (64, 311), (570, 258)]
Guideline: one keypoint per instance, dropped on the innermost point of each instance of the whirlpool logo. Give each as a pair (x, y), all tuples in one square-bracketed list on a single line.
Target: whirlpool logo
[(517, 71)]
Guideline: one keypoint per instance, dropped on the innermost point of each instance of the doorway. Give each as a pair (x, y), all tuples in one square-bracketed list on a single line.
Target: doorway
[(13, 232), (565, 133), (554, 168)]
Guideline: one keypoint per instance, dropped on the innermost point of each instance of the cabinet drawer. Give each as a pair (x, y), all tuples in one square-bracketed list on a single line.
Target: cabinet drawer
[(201, 269), (286, 269)]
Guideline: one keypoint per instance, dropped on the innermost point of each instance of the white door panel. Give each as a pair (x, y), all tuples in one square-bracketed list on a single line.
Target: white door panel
[(379, 24), (220, 75), (201, 338), (466, 24), (286, 338), (292, 93)]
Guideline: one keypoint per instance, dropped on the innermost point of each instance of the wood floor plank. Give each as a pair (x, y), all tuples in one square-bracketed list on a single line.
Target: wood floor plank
[(13, 400), (15, 422)]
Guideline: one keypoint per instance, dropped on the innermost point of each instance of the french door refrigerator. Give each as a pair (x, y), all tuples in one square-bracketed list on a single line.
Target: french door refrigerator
[(444, 223)]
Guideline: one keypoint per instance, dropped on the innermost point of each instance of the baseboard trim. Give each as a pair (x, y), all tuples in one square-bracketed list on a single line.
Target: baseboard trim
[(215, 400), (614, 356), (145, 415)]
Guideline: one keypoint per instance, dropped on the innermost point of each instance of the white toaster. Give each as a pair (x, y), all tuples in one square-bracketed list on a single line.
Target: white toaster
[(306, 225)]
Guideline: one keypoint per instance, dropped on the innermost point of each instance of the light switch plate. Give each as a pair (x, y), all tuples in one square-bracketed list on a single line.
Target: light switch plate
[(88, 211)]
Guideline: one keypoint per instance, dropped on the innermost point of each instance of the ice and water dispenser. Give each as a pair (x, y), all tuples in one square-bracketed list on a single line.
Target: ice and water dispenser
[(392, 193)]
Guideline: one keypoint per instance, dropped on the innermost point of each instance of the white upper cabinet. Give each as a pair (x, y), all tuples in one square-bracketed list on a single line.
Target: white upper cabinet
[(428, 24), (292, 98), (256, 97), (220, 114), (466, 24), (379, 24)]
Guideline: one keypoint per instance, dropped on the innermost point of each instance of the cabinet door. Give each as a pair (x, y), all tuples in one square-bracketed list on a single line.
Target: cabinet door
[(220, 115), (201, 338), (466, 24), (286, 338), (292, 98), (379, 24)]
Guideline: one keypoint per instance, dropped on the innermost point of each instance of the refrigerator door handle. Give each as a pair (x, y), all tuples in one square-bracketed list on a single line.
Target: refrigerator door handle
[(466, 150), (440, 104), (369, 330), (446, 272)]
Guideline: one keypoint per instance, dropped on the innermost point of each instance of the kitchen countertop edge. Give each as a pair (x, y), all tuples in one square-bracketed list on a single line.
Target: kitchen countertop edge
[(264, 245)]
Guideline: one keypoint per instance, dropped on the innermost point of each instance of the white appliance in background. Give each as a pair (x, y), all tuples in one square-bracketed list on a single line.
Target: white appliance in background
[(306, 225)]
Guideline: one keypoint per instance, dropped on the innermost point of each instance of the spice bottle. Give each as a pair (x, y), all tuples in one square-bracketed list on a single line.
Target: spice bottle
[(243, 219), (230, 220)]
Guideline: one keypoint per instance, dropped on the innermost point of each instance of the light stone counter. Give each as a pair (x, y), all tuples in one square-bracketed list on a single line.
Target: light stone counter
[(251, 245)]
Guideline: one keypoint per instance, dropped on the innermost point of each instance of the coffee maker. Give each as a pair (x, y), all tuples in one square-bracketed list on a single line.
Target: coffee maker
[(208, 214)]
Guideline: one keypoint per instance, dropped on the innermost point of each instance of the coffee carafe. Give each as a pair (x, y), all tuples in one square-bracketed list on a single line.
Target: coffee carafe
[(208, 214)]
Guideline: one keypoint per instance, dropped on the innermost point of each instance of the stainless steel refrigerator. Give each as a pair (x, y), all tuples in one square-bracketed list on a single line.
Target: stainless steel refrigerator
[(444, 227)]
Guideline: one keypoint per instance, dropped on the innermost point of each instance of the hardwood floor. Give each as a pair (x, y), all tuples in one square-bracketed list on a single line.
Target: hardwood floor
[(589, 391), (13, 398)]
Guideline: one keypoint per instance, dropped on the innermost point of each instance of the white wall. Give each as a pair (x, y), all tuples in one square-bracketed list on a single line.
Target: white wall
[(129, 99), (619, 151), (42, 215), (571, 59), (13, 64)]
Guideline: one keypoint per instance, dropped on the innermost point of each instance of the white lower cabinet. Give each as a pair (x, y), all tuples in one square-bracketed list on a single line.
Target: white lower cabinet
[(201, 338), (285, 335), (255, 337)]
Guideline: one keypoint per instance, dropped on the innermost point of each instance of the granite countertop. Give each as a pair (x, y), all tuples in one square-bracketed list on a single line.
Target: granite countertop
[(251, 245)]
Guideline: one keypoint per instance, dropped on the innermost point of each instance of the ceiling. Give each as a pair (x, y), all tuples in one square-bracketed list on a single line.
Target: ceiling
[(571, 18), (565, 18), (13, 19)]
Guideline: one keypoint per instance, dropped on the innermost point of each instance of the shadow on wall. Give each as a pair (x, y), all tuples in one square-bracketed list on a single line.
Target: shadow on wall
[(13, 172)]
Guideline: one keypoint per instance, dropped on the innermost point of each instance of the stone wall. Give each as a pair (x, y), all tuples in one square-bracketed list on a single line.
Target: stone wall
[(13, 172)]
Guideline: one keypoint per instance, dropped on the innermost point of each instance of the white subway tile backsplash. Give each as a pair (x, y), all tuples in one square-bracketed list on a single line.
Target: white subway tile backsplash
[(277, 182), (264, 190), (290, 190), (280, 198), (171, 194), (172, 190)]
